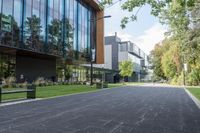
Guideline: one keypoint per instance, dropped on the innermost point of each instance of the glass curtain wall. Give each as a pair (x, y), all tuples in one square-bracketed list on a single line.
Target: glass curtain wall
[(84, 34), (69, 29), (57, 27), (34, 25), (10, 22)]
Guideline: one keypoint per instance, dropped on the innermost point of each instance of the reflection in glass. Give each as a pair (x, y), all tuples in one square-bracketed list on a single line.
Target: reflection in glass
[(55, 27), (6, 21), (68, 36), (34, 37)]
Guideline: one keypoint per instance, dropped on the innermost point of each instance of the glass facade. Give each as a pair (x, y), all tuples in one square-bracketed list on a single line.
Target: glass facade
[(34, 25), (55, 27), (10, 22)]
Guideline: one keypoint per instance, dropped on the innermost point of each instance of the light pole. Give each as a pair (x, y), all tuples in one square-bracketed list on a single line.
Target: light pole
[(92, 51)]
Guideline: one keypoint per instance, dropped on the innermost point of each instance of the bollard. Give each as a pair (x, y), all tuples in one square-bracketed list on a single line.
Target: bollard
[(31, 91)]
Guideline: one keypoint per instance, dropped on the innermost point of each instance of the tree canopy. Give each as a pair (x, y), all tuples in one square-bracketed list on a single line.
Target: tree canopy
[(126, 68), (182, 42)]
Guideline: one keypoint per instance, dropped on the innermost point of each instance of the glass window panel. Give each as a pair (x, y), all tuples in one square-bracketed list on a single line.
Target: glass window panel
[(28, 24), (43, 19), (69, 36), (36, 8), (0, 18), (80, 28), (0, 5), (55, 27), (17, 22), (71, 11), (89, 31), (6, 22), (75, 25)]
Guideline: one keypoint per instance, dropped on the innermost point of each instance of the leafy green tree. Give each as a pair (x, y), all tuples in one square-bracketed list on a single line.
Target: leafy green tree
[(155, 59), (168, 64), (126, 68), (194, 76), (183, 21)]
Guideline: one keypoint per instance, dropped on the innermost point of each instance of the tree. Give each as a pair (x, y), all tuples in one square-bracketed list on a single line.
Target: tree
[(126, 68), (155, 59), (183, 22)]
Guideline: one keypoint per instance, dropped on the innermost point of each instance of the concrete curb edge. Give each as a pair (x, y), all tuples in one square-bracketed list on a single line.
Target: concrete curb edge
[(194, 99)]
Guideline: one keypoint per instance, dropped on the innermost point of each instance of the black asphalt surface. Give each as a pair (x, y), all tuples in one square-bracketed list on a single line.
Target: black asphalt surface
[(118, 110)]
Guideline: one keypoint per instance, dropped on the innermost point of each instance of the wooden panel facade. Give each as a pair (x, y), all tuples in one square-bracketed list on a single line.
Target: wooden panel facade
[(100, 38), (93, 3)]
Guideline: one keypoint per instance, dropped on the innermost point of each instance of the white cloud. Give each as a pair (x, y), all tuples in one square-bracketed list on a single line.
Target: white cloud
[(147, 40), (150, 37)]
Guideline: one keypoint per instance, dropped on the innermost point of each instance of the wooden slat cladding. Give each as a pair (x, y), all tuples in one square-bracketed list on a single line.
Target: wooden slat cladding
[(100, 38), (93, 3)]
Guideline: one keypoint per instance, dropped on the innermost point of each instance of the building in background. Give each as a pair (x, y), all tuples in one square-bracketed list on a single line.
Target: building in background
[(39, 37), (117, 51)]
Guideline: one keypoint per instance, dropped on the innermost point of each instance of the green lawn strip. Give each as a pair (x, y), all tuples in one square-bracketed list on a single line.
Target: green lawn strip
[(59, 90), (51, 91), (195, 91), (115, 85), (13, 96)]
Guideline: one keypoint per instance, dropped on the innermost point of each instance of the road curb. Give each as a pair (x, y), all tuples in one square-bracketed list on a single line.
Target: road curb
[(8, 103), (194, 99)]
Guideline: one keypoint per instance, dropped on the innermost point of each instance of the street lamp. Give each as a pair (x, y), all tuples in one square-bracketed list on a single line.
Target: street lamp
[(92, 51)]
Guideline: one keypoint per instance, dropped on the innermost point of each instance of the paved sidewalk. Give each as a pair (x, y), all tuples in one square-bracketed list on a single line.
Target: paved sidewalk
[(132, 109)]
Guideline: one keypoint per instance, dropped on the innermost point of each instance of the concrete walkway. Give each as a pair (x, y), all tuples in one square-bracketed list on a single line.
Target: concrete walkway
[(143, 109)]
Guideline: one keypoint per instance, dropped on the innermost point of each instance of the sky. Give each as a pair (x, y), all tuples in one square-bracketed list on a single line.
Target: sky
[(145, 32)]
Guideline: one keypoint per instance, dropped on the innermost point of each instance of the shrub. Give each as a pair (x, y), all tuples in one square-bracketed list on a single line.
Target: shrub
[(39, 81), (194, 77), (10, 81)]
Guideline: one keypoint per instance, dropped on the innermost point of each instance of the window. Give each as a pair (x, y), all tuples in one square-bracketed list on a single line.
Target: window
[(43, 20), (69, 29), (0, 6), (34, 25), (0, 15), (17, 22), (6, 22), (55, 10), (10, 21), (75, 17)]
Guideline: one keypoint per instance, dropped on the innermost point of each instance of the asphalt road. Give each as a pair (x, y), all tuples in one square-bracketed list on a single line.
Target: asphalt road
[(119, 110)]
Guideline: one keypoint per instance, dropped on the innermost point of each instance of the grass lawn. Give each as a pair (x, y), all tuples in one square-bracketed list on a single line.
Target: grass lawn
[(51, 91), (195, 91), (59, 90), (115, 85)]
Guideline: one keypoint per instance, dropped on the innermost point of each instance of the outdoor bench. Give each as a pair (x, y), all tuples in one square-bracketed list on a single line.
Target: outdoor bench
[(31, 92)]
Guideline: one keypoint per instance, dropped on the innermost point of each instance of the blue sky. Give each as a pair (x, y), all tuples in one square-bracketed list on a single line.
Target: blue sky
[(145, 32)]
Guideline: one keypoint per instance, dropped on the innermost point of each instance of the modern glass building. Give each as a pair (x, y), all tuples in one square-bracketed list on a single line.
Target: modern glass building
[(37, 34)]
